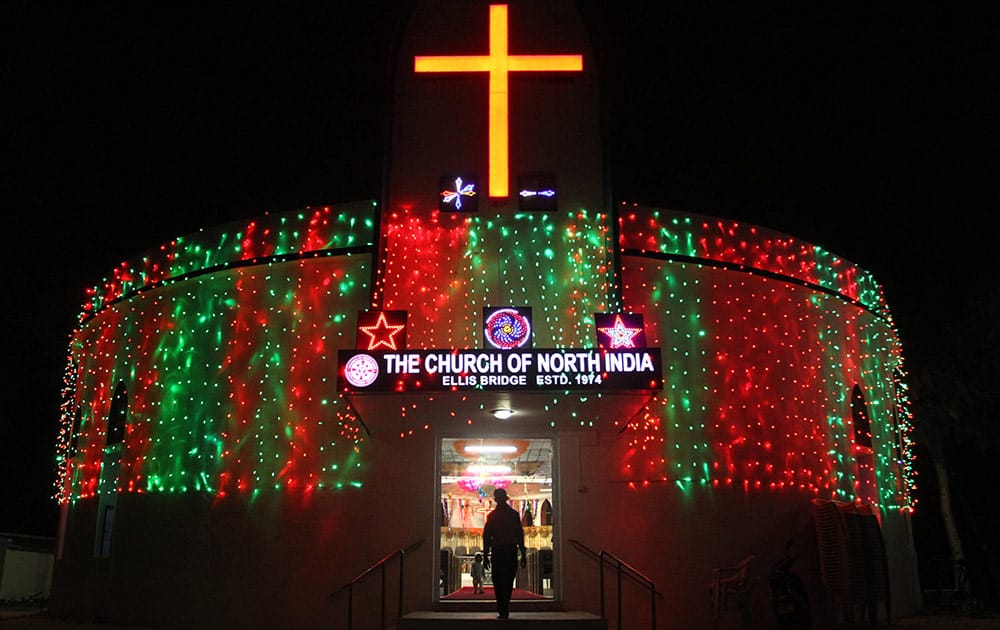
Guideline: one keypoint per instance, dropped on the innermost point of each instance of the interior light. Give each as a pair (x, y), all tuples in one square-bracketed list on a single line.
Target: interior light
[(490, 448), (488, 469), (502, 413)]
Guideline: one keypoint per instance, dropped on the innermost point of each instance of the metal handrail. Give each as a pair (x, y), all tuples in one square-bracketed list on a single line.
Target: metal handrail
[(349, 587), (622, 568)]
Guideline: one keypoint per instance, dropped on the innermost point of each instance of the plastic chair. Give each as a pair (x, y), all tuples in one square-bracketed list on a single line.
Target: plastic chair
[(731, 589)]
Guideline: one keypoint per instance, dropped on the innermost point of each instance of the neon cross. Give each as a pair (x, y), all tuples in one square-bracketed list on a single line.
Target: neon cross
[(498, 63)]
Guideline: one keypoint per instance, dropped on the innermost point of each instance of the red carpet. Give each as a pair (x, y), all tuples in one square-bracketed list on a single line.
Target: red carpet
[(466, 593)]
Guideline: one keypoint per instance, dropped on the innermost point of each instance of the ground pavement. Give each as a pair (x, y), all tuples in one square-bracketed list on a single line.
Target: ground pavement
[(35, 619)]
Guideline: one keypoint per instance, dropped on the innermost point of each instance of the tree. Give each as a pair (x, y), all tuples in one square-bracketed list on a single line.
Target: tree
[(954, 388)]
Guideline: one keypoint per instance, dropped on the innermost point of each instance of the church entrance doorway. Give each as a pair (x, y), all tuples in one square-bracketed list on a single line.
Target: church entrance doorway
[(471, 468)]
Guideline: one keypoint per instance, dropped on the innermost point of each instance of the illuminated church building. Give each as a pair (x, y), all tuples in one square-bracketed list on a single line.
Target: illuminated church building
[(256, 414)]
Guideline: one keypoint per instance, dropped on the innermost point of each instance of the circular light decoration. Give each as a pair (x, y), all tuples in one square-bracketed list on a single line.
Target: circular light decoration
[(507, 328), (470, 484), (361, 370)]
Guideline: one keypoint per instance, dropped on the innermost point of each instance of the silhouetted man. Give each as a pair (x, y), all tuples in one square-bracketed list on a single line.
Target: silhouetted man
[(502, 537)]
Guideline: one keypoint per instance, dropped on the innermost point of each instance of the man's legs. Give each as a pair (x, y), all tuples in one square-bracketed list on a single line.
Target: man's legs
[(504, 572)]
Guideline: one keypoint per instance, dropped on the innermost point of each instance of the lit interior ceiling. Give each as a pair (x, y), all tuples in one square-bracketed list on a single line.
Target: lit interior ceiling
[(529, 462), (533, 457)]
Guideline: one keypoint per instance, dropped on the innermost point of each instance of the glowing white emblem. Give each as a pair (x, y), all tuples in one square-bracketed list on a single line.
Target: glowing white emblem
[(361, 370)]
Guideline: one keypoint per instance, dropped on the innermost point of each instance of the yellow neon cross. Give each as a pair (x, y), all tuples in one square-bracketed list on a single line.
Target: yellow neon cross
[(498, 63)]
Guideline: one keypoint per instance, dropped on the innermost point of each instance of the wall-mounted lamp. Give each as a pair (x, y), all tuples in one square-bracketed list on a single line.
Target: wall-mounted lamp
[(502, 413)]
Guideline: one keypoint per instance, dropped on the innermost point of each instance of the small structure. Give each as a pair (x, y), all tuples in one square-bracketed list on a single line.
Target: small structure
[(25, 568)]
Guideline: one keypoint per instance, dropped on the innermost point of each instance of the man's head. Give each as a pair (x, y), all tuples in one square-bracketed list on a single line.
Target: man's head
[(500, 495)]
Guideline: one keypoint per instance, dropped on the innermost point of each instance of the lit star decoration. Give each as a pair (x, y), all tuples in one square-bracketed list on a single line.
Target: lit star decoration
[(382, 334), (619, 335), (452, 199)]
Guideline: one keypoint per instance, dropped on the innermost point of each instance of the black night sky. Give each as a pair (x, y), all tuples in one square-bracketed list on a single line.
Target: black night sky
[(868, 129)]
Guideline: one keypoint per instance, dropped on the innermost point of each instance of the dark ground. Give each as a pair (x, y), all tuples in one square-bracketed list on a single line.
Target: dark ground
[(39, 620)]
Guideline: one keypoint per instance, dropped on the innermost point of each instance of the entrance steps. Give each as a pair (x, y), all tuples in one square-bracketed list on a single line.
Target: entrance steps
[(476, 620)]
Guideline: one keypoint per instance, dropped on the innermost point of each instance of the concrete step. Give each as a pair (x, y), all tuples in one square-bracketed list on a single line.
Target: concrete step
[(476, 620)]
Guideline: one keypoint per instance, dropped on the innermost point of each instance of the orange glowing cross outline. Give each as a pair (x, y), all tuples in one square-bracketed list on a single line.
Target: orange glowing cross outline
[(498, 63)]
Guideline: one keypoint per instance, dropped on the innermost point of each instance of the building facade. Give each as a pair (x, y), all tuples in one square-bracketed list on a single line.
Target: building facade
[(257, 413)]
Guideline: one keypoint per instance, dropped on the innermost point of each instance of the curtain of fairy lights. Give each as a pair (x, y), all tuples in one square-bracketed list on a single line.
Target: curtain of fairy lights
[(759, 367), (445, 268), (227, 346), (226, 343)]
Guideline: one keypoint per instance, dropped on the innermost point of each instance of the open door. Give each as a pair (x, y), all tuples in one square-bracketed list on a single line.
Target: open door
[(471, 468)]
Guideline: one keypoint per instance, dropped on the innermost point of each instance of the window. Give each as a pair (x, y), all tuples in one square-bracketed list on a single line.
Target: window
[(118, 416), (865, 485), (74, 442), (859, 415), (107, 528)]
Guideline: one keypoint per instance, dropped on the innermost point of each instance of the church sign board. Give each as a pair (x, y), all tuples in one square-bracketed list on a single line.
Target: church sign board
[(632, 369)]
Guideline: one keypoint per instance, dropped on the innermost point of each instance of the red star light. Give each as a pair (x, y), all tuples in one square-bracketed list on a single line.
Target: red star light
[(382, 333)]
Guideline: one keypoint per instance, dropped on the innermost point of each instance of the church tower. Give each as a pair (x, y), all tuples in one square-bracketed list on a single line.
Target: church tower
[(496, 185)]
